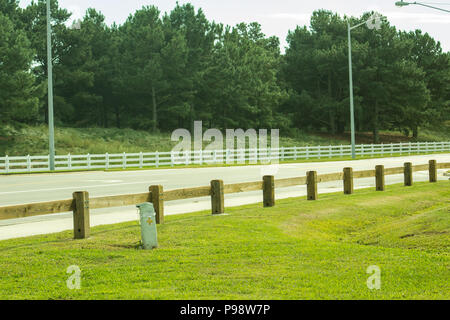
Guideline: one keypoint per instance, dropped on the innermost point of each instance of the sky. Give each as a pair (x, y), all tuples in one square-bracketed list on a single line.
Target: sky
[(277, 17)]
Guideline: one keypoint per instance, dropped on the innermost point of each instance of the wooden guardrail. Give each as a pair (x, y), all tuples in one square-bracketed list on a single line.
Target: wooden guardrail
[(80, 204)]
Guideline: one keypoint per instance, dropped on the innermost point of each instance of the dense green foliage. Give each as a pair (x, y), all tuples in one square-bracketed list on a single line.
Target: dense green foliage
[(398, 84), (296, 250), (159, 72)]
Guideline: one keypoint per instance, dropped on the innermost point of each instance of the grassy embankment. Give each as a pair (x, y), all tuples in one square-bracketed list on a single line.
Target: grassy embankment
[(296, 250), (34, 140)]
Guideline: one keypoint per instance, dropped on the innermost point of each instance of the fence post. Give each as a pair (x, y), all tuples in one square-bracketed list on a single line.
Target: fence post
[(311, 185), (28, 163), (433, 171), (141, 160), (6, 164), (379, 178), (269, 191), (81, 224), (408, 173), (348, 180), (124, 161), (107, 160), (88, 161), (157, 198), (69, 161), (217, 197), (172, 163), (157, 159)]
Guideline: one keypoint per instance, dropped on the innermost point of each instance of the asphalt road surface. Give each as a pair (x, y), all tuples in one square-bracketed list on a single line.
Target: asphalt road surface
[(20, 189)]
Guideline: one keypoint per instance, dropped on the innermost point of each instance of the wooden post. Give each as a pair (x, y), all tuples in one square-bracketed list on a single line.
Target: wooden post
[(217, 197), (311, 183), (269, 191), (433, 171), (157, 198), (348, 180), (408, 173), (81, 224), (379, 178)]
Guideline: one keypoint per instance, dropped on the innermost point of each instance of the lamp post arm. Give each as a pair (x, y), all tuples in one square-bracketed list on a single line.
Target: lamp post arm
[(358, 25), (362, 23), (428, 6)]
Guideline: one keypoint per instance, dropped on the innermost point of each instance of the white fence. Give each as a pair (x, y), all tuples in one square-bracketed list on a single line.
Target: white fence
[(160, 159)]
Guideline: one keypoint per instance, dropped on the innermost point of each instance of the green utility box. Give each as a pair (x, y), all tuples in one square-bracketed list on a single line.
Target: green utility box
[(148, 225)]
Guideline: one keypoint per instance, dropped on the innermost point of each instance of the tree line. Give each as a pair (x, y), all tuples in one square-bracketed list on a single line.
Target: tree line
[(162, 71)]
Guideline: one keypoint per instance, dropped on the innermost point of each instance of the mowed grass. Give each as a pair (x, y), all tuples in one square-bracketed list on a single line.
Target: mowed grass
[(33, 140), (297, 250)]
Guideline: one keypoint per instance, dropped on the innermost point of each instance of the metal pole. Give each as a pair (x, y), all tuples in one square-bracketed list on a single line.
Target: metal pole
[(51, 133), (404, 4), (425, 5), (352, 107)]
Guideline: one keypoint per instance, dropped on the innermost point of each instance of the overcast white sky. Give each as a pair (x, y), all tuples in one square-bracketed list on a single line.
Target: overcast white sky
[(279, 16)]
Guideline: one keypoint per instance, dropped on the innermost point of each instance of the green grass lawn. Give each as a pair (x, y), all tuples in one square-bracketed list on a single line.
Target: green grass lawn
[(297, 250)]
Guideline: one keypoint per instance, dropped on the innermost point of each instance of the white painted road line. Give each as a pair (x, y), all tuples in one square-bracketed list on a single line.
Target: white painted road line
[(79, 187)]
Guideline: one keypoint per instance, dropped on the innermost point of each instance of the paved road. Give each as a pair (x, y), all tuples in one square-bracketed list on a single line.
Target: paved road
[(18, 189)]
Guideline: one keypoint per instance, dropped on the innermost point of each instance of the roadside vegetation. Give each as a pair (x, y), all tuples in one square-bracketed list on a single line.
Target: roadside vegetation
[(297, 250), (159, 71), (33, 140)]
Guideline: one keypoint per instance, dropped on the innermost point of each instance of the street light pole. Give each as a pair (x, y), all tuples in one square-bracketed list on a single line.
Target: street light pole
[(404, 4), (51, 130), (350, 71), (352, 106)]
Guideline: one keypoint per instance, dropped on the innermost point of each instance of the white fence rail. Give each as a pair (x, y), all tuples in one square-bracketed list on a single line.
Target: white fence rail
[(160, 159)]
